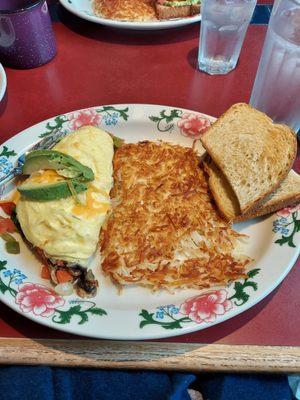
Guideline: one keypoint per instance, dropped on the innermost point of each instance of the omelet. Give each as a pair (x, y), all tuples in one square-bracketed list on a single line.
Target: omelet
[(68, 229)]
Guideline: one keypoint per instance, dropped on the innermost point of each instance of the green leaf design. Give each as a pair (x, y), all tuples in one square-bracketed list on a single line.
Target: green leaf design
[(150, 320), (65, 317), (154, 119), (3, 286), (123, 113), (2, 265), (286, 239), (7, 153), (58, 123), (289, 239), (253, 272), (164, 122), (97, 311), (241, 296)]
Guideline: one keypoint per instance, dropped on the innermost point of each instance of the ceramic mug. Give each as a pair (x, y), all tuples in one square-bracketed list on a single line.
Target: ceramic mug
[(26, 36)]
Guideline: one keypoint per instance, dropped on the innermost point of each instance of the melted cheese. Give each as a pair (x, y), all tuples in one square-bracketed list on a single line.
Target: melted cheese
[(47, 176), (63, 228), (92, 206)]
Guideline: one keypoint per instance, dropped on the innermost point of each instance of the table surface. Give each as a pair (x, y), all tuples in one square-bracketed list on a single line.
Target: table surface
[(96, 65)]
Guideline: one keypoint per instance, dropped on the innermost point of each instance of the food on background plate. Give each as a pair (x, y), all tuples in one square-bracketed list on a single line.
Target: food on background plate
[(125, 10), (145, 10), (61, 223), (164, 231), (254, 155), (167, 9)]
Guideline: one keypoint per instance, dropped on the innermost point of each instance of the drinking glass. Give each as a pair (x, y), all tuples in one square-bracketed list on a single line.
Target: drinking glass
[(26, 35), (224, 24), (276, 89)]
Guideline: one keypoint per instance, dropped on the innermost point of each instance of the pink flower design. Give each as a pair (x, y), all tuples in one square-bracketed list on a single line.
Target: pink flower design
[(285, 212), (206, 307), (39, 299), (193, 125), (84, 117)]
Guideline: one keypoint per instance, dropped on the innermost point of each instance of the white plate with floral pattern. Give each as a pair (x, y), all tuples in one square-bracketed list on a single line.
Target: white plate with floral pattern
[(137, 313), (2, 82), (84, 9)]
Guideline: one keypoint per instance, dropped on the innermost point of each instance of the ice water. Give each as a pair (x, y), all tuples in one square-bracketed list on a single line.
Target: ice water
[(276, 90), (223, 28)]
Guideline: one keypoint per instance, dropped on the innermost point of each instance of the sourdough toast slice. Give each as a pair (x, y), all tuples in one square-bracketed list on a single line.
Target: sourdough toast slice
[(253, 153), (286, 195)]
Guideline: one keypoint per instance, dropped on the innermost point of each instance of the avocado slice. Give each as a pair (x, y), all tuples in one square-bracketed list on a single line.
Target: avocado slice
[(51, 191), (63, 164)]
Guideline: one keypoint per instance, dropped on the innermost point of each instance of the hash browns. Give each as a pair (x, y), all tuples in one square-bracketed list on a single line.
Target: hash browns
[(125, 10), (164, 231)]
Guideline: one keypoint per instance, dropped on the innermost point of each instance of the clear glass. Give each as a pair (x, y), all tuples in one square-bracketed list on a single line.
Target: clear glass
[(276, 89), (224, 24)]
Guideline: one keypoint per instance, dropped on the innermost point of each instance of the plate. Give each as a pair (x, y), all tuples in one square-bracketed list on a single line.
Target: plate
[(2, 82), (83, 9), (137, 313)]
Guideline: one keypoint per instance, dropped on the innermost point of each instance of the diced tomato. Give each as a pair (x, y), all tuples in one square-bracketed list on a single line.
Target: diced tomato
[(45, 274), (7, 206), (6, 225), (63, 276)]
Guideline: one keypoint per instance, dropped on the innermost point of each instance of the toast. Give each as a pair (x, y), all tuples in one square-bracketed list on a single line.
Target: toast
[(245, 144), (286, 195), (165, 11)]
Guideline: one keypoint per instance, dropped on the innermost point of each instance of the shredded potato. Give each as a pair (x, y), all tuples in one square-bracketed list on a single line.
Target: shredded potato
[(164, 230), (125, 10)]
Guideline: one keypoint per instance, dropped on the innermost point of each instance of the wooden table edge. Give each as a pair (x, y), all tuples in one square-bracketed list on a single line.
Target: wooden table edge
[(150, 355)]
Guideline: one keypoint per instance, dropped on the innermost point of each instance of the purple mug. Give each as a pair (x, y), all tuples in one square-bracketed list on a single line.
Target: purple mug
[(26, 35)]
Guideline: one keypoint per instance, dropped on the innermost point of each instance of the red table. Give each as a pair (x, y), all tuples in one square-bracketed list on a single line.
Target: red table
[(96, 65)]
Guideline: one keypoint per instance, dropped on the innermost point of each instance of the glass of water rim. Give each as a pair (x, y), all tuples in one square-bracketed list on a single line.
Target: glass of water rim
[(276, 89), (224, 25)]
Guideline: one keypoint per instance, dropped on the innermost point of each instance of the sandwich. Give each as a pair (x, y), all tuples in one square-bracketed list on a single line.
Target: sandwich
[(64, 202), (169, 9), (164, 231), (249, 164)]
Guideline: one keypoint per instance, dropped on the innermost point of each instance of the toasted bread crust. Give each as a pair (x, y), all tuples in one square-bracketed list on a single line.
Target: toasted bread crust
[(269, 209), (287, 195), (267, 141)]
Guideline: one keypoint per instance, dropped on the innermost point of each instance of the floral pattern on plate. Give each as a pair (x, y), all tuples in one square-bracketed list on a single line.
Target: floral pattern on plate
[(42, 301), (190, 124), (288, 225), (144, 315), (204, 308)]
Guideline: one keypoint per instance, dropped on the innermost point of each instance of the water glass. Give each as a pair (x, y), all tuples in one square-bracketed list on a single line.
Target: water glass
[(276, 89), (224, 24), (26, 35)]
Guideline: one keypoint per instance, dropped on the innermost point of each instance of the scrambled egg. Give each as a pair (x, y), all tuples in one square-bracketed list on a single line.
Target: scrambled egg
[(64, 229)]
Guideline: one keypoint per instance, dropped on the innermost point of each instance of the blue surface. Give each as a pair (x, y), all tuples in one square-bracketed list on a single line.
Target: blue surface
[(45, 383), (244, 387), (261, 14)]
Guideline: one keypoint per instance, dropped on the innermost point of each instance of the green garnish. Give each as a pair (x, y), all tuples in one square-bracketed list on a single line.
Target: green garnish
[(11, 244), (63, 164), (118, 142), (12, 247)]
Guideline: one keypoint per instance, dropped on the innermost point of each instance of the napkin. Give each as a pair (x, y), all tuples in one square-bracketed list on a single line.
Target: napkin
[(243, 387), (46, 383)]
